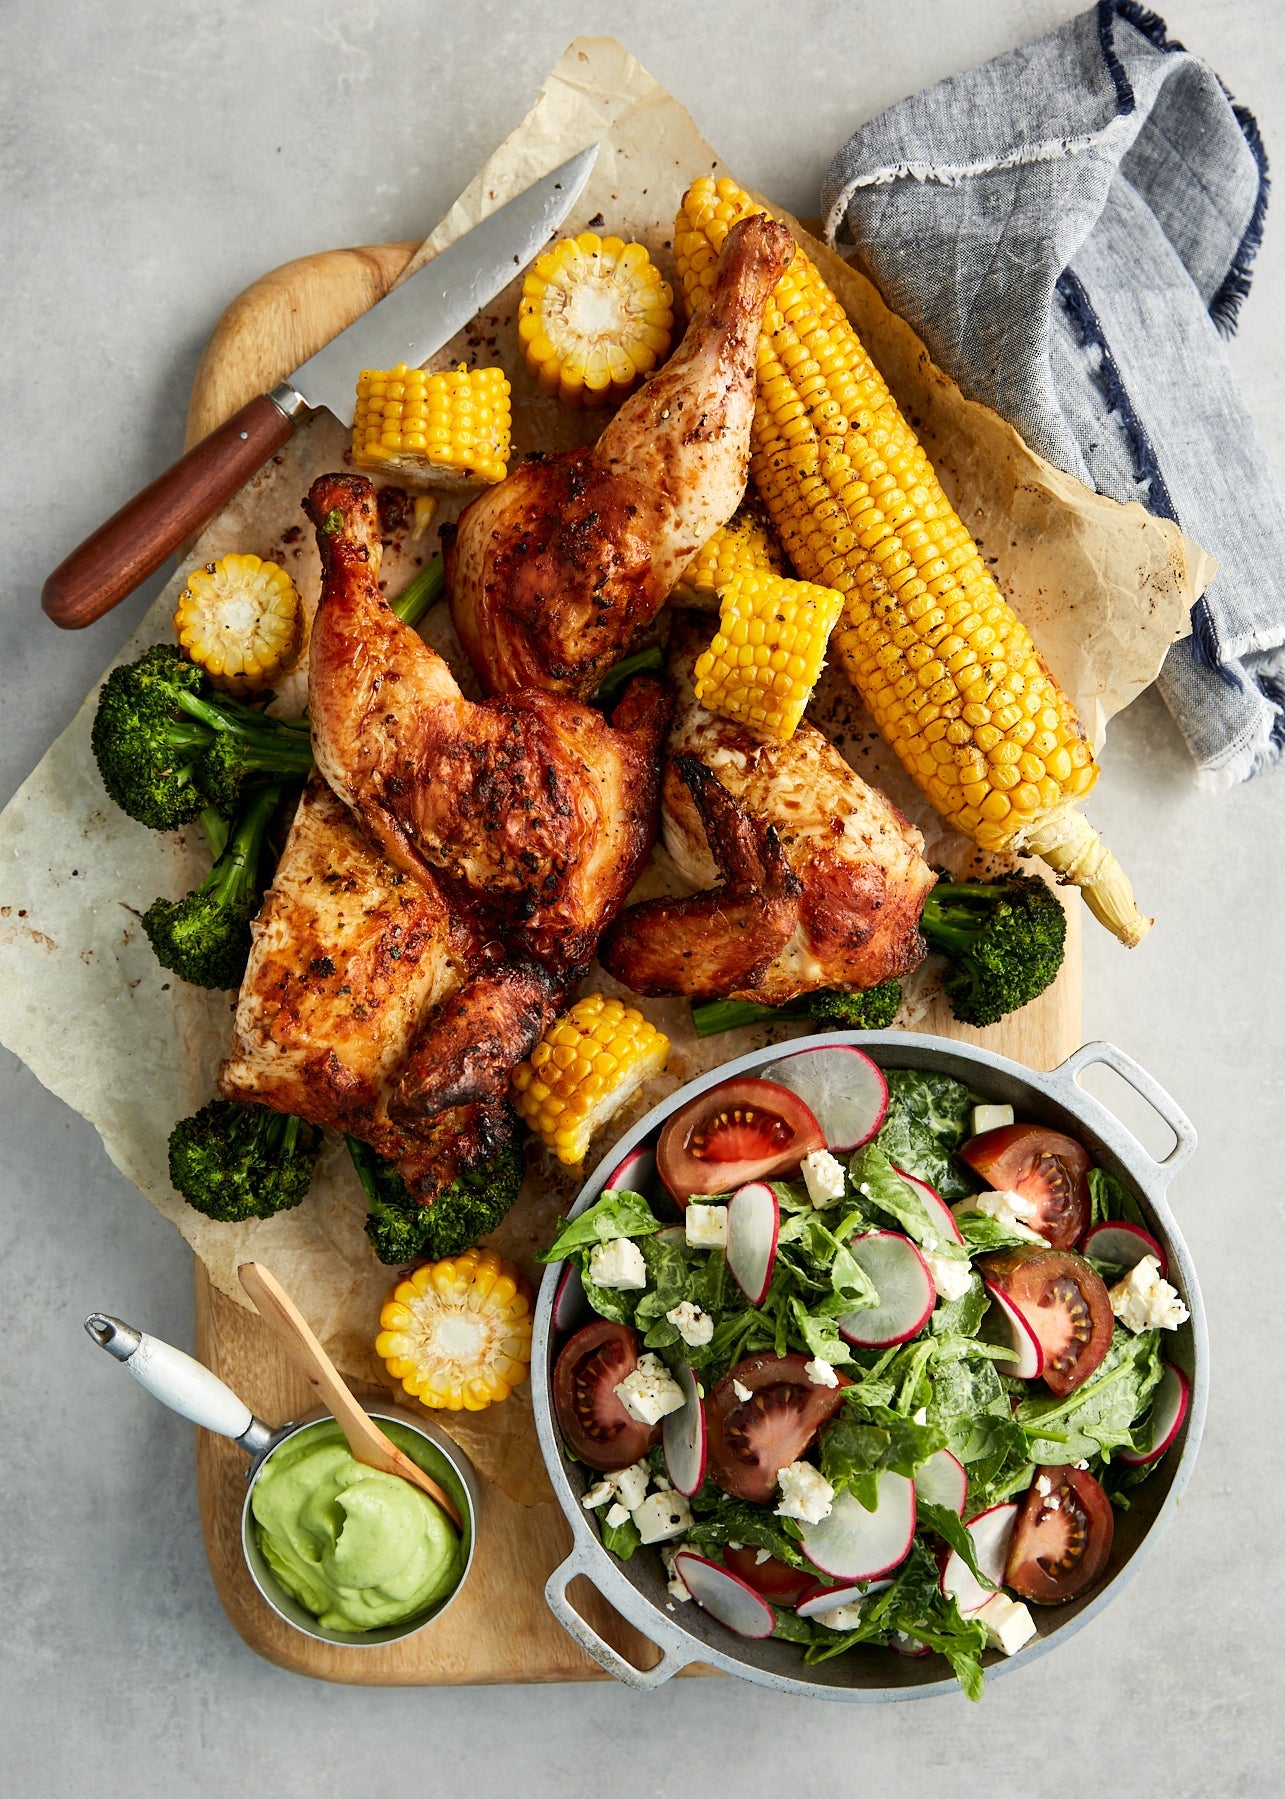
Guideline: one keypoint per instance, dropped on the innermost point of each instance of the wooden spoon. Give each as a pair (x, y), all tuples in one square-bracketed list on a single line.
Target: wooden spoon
[(367, 1442)]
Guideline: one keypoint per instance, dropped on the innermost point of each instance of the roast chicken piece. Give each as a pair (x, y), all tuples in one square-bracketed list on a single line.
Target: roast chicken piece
[(532, 813), (859, 873), (350, 959), (555, 572)]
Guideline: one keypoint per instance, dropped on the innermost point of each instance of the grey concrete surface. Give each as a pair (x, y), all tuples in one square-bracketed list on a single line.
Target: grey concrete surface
[(157, 156)]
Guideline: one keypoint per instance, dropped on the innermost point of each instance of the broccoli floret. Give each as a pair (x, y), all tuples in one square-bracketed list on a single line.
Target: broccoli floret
[(204, 938), (1005, 940), (872, 1010), (234, 1162), (404, 1230), (156, 725)]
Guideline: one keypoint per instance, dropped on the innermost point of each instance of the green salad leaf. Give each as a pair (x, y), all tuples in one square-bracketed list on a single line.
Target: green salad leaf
[(1110, 1200), (983, 1234), (961, 1317), (865, 1441), (878, 1182), (720, 1520), (620, 1539), (1101, 1415), (950, 1527), (611, 1215), (928, 1119), (790, 1628)]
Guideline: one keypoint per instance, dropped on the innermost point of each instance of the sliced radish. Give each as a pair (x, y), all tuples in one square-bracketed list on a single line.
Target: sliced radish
[(854, 1544), (570, 1306), (936, 1205), (828, 1599), (1168, 1411), (991, 1532), (724, 1595), (1012, 1330), (905, 1287), (842, 1088), (1124, 1245), (753, 1224), (636, 1174), (684, 1437), (943, 1481), (672, 1233)]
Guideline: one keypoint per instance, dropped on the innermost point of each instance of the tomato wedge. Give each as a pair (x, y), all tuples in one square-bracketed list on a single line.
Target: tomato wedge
[(751, 1440), (1062, 1537), (1066, 1304), (594, 1423), (1043, 1166), (775, 1580), (740, 1131)]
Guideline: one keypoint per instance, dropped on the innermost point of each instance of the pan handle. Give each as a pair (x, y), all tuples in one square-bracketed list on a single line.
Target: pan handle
[(1142, 1083), (186, 1386), (643, 1680)]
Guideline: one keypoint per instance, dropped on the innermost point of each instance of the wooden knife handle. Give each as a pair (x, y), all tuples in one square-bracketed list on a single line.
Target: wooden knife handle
[(137, 539)]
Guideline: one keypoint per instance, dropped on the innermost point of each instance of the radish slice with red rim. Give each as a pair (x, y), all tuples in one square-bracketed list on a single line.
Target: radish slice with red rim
[(724, 1595), (753, 1224), (828, 1599), (854, 1544), (936, 1205), (991, 1532), (684, 1436), (1010, 1328), (570, 1306), (943, 1480), (905, 1287), (1123, 1245), (635, 1174), (1168, 1413), (843, 1089)]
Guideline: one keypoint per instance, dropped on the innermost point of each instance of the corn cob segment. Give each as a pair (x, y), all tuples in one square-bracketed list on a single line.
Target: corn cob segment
[(448, 429), (595, 317), (589, 1063), (768, 652), (457, 1333), (745, 542), (946, 669), (240, 620)]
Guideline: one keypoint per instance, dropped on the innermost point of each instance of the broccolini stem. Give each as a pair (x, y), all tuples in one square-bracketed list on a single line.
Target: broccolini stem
[(421, 594), (361, 1154), (642, 662), (954, 915), (236, 871), (715, 1015), (217, 830)]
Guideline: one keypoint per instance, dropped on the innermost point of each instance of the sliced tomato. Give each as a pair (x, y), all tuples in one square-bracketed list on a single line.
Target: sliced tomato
[(751, 1440), (1066, 1304), (1062, 1538), (595, 1424), (775, 1580), (738, 1132), (1043, 1166)]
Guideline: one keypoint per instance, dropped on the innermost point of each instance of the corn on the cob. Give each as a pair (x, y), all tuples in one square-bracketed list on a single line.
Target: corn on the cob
[(583, 1070), (240, 620), (457, 1333), (746, 541), (947, 671), (768, 652), (594, 318), (433, 430)]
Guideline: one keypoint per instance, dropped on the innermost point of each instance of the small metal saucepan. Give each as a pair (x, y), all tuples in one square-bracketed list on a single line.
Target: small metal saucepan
[(189, 1389)]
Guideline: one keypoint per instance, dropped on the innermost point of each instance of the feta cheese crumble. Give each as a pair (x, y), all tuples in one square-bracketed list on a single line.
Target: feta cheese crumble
[(843, 1617), (823, 1177), (617, 1515), (742, 1392), (619, 1265), (630, 1485), (1143, 1301), (693, 1326), (662, 1516), (821, 1373), (598, 1495), (675, 1584), (650, 1393), (952, 1276), (1008, 1624), (990, 1118), (705, 1227), (805, 1493), (1009, 1209)]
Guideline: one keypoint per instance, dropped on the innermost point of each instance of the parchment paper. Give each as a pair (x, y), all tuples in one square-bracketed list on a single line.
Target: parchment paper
[(1105, 589)]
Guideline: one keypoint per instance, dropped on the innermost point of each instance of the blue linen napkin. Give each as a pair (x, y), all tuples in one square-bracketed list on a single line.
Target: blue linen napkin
[(1068, 228)]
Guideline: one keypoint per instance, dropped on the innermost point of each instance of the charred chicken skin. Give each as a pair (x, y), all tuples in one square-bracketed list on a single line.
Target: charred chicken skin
[(555, 572), (531, 811), (859, 877)]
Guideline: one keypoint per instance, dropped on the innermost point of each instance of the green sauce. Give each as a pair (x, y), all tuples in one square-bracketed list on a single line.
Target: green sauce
[(357, 1548)]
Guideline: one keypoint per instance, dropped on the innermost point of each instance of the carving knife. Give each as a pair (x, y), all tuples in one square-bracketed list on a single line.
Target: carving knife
[(411, 322)]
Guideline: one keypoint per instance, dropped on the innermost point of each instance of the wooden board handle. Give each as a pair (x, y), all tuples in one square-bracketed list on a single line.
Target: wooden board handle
[(137, 539)]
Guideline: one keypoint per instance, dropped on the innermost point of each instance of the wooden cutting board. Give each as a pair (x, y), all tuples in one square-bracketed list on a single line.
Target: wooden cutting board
[(499, 1629)]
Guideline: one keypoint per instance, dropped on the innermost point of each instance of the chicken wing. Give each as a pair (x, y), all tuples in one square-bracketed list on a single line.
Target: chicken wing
[(858, 862), (554, 572), (531, 811)]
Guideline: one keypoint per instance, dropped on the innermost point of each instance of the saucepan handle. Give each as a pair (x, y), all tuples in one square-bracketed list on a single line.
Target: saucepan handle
[(1144, 1084), (643, 1680), (186, 1386)]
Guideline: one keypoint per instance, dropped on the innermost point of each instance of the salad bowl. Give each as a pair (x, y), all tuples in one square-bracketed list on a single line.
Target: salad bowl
[(685, 1634)]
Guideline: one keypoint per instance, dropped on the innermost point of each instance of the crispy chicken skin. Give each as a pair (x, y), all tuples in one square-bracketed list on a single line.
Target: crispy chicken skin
[(474, 1038), (531, 811), (350, 958), (863, 880), (554, 573)]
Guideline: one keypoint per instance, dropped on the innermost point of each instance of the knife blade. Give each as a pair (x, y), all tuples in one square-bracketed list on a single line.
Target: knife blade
[(412, 321)]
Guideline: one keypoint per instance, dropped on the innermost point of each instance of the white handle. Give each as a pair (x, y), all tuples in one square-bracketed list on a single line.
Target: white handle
[(188, 1388), (643, 1680)]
